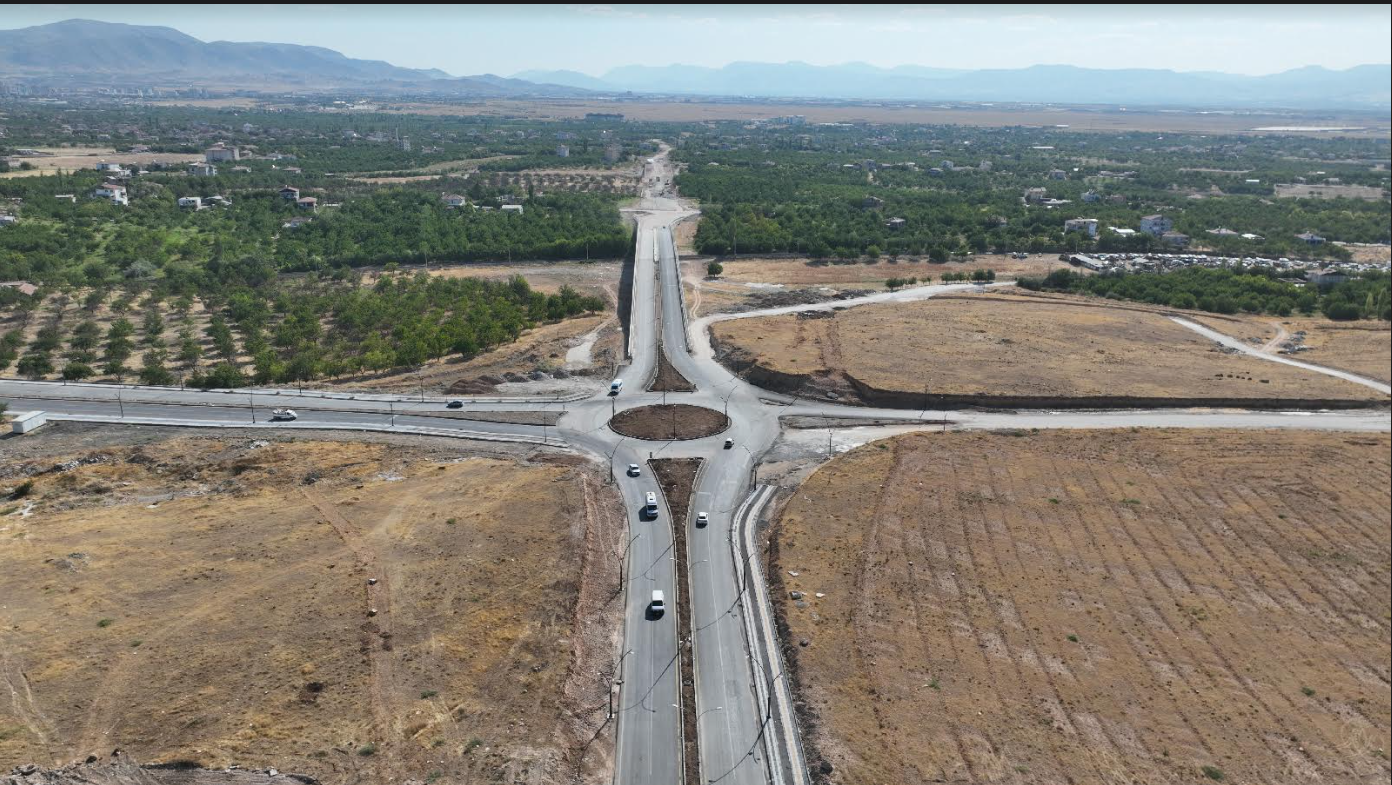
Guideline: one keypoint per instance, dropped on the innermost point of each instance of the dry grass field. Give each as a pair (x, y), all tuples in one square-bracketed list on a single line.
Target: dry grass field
[(363, 613), (1015, 345), (1155, 607), (1077, 118), (70, 158)]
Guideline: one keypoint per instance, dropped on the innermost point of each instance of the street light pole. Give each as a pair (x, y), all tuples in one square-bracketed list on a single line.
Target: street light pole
[(120, 403), (252, 400)]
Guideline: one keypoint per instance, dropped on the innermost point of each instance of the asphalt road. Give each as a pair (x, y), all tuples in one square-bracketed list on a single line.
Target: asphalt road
[(746, 731)]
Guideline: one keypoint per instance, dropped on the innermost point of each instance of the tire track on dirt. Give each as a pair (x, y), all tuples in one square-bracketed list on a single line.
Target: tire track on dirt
[(953, 737), (865, 618), (1224, 665), (992, 605), (1220, 564), (1120, 623), (22, 702), (377, 610), (1145, 615), (1008, 540)]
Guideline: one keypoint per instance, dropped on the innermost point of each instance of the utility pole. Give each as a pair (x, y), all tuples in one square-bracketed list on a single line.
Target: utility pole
[(120, 403), (391, 407), (252, 399)]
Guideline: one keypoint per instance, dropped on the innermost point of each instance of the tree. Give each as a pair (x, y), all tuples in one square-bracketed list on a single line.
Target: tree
[(714, 269), (35, 366), (77, 371)]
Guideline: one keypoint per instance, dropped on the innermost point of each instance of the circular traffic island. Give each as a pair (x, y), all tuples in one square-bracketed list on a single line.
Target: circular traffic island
[(669, 421)]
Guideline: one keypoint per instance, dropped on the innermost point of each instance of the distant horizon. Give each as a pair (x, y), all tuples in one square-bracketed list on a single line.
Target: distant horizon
[(595, 39)]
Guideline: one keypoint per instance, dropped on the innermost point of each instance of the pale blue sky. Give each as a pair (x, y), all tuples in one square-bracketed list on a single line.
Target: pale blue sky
[(594, 38)]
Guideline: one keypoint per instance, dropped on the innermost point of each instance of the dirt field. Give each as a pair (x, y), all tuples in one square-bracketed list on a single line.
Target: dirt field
[(1303, 191), (669, 421), (1015, 345), (744, 278), (70, 158), (360, 612), (1075, 118), (1095, 607), (668, 378), (1363, 347)]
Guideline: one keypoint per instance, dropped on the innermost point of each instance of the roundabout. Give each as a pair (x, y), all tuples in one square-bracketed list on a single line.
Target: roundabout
[(669, 422)]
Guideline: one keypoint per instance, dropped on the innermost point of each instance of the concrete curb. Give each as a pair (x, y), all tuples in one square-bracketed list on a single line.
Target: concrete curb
[(787, 761), (447, 433)]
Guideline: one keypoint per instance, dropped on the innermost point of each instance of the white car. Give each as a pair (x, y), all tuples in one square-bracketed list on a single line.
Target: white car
[(633, 470), (283, 414), (702, 519)]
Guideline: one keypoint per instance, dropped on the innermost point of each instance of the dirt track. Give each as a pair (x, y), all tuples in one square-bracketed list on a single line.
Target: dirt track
[(1096, 607)]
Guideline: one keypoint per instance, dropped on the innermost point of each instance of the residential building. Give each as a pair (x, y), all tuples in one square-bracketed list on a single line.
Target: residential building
[(296, 222), (871, 203), (218, 201), (1058, 174), (307, 203), (1223, 231), (1175, 238), (1092, 196), (984, 166), (23, 287), (1311, 238), (453, 200), (1124, 232), (203, 169), (1156, 224), (512, 208), (562, 151), (194, 202), (114, 192), (895, 224), (1326, 277), (1251, 236), (611, 153), (290, 193), (218, 153), (1088, 225), (8, 220), (1034, 195)]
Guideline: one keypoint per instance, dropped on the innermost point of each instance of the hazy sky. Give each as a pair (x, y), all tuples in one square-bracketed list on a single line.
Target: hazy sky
[(594, 38)]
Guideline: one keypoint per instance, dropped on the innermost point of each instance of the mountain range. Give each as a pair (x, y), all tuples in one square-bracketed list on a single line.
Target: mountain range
[(81, 52), (1313, 87)]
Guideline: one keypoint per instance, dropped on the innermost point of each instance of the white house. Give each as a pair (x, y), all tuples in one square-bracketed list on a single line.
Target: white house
[(194, 202), (1124, 232), (289, 193), (114, 192), (1156, 224), (1088, 225), (453, 200), (563, 151), (1311, 238), (1034, 194), (1058, 174), (203, 169)]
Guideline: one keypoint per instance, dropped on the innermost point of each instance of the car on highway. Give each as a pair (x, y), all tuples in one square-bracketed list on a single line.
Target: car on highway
[(278, 415), (633, 470), (729, 443), (455, 404), (702, 519), (658, 606)]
